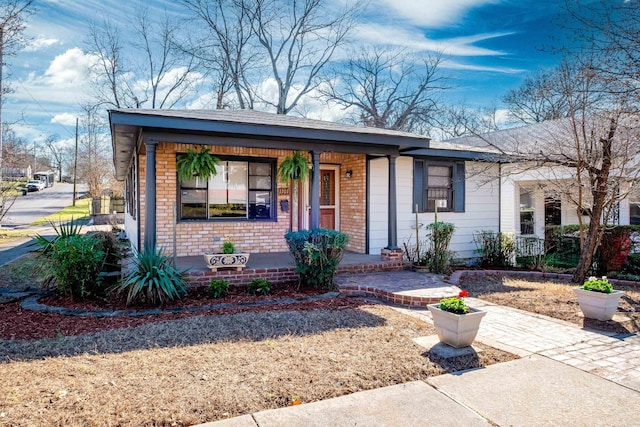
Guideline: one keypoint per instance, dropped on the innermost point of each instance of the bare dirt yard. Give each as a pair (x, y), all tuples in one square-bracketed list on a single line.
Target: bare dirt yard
[(210, 367), (553, 298)]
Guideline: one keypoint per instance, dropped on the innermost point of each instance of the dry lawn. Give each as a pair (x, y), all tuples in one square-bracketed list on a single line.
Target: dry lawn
[(207, 368), (554, 299)]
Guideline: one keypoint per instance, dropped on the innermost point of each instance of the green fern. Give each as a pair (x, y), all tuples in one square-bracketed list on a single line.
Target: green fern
[(294, 167), (196, 163)]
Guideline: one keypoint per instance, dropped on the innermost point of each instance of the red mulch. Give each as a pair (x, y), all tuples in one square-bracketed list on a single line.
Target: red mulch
[(19, 324), (194, 298)]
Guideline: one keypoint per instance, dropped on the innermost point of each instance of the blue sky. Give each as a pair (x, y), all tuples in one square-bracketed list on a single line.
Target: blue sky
[(489, 46)]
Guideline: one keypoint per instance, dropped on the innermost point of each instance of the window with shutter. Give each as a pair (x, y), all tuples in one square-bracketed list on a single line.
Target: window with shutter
[(437, 183)]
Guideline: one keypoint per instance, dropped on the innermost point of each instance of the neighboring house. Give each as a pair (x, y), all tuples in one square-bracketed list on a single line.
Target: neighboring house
[(533, 197), (365, 182)]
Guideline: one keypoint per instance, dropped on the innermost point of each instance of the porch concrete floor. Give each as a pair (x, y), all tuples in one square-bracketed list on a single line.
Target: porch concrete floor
[(274, 260)]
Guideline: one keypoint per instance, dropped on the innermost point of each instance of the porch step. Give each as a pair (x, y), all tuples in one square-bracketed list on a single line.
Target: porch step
[(408, 288)]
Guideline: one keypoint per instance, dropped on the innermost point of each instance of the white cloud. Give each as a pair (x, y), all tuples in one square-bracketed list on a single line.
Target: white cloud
[(66, 119), (70, 68), (433, 13), (415, 40), (40, 43), (454, 65)]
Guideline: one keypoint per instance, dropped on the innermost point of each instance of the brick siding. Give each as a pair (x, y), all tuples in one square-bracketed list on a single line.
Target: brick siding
[(197, 237)]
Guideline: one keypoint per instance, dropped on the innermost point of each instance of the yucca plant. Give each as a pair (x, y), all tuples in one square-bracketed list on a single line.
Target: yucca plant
[(154, 279), (196, 163), (294, 167), (63, 230)]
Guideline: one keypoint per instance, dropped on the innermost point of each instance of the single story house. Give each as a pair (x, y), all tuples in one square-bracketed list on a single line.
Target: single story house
[(372, 184)]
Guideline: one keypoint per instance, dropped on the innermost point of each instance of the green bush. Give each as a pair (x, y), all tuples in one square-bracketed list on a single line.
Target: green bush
[(259, 287), (63, 230), (154, 279), (598, 285), (76, 261), (496, 249), (438, 255), (111, 248), (632, 267), (317, 254), (218, 288)]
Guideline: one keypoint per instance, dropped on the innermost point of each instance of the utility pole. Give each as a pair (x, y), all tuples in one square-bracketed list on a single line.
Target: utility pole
[(75, 165)]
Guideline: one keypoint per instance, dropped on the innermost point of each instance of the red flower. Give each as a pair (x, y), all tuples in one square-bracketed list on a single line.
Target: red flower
[(463, 294)]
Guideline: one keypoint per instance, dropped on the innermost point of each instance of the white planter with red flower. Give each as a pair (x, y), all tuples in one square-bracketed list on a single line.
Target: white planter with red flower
[(456, 323)]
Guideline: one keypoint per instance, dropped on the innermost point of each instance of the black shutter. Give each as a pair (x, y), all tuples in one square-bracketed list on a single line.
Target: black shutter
[(458, 187), (418, 185)]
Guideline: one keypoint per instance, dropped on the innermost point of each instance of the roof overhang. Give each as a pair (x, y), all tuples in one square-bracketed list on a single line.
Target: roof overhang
[(129, 128), (456, 154)]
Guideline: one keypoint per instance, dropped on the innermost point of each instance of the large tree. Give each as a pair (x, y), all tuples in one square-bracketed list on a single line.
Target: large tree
[(287, 43), (388, 89), (591, 157), (539, 98), (94, 164), (13, 14), (153, 72)]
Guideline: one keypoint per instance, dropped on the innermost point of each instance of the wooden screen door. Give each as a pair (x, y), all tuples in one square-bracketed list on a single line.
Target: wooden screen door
[(328, 199)]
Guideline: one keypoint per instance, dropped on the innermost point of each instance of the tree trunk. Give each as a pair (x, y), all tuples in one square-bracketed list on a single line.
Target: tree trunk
[(587, 252)]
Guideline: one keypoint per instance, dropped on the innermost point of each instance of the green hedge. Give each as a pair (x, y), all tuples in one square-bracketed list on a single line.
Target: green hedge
[(317, 253)]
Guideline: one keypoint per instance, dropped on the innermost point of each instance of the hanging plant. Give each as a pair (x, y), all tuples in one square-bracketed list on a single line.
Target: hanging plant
[(293, 168), (196, 164)]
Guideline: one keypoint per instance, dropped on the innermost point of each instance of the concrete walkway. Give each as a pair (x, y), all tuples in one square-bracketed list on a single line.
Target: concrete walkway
[(532, 391), (566, 376)]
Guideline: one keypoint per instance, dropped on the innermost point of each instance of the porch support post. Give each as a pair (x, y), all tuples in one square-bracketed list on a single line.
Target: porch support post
[(315, 190), (393, 217), (150, 197)]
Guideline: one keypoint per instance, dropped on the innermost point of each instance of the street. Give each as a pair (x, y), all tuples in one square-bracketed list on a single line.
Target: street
[(39, 204)]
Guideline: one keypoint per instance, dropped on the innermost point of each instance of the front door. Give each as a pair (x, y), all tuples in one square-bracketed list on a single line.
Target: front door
[(328, 207)]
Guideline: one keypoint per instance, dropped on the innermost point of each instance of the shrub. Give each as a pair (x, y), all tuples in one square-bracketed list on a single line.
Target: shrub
[(438, 255), (259, 287), (633, 265), (111, 248), (63, 230), (317, 254), (598, 285), (154, 279), (496, 249), (614, 250), (455, 304), (76, 261), (218, 288)]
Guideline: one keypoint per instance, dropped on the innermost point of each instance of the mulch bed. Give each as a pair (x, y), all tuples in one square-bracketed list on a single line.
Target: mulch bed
[(194, 298), (17, 323)]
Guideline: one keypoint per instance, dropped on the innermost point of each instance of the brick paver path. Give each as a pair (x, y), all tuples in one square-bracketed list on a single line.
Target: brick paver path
[(614, 357)]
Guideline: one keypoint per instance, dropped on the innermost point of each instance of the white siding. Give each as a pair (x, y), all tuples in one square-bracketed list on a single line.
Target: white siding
[(131, 228), (481, 207), (510, 199), (378, 204)]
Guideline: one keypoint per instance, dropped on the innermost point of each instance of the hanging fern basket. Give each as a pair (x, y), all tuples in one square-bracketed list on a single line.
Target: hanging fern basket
[(200, 164), (293, 168)]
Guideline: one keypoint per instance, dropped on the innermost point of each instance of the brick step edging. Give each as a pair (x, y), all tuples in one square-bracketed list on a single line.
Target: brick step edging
[(390, 297)]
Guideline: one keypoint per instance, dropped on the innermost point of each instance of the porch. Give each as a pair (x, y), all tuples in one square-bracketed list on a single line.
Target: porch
[(278, 267)]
